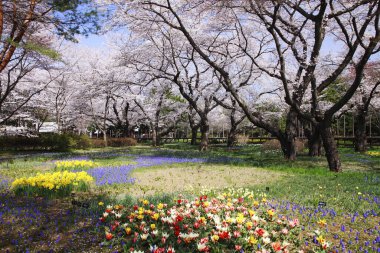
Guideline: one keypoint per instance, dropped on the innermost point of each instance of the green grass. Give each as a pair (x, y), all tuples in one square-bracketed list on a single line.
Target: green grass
[(304, 182)]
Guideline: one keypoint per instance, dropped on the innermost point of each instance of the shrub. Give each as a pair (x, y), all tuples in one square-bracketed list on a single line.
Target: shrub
[(97, 143), (275, 145), (52, 184), (122, 142), (300, 145), (54, 142), (51, 142), (114, 142), (271, 145), (242, 139), (214, 141), (82, 141)]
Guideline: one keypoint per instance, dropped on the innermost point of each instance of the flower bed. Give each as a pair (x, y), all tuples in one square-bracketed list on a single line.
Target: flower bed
[(74, 164), (234, 221), (52, 184), (373, 153)]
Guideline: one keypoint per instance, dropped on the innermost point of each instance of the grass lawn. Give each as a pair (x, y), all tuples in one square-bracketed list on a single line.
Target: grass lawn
[(348, 202)]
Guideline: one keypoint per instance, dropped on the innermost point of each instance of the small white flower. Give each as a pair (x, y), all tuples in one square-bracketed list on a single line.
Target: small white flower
[(193, 235), (266, 240), (201, 246), (144, 236)]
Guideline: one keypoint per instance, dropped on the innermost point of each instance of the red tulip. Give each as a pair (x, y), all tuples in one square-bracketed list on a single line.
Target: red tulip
[(109, 236)]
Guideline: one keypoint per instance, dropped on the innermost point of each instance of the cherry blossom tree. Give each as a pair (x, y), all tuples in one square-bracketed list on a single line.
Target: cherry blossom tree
[(165, 60), (160, 109), (367, 93), (101, 84), (281, 42), (235, 118), (23, 79), (28, 45), (302, 28), (210, 39)]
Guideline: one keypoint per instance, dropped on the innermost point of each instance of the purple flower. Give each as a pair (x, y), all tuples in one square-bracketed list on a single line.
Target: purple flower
[(121, 174)]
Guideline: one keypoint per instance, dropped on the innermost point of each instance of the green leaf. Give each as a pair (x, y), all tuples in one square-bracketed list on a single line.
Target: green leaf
[(41, 49)]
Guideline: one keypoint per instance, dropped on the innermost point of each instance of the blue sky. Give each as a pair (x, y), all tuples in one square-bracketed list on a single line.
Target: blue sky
[(93, 41)]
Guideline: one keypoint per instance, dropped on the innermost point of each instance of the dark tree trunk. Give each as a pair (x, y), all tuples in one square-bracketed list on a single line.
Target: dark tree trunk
[(155, 139), (289, 140), (331, 149), (126, 130), (360, 132), (194, 127), (231, 138), (315, 145), (194, 132), (282, 138), (204, 135), (105, 138), (126, 124), (314, 141)]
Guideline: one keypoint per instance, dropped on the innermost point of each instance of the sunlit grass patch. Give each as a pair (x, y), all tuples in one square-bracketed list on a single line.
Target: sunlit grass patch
[(193, 178)]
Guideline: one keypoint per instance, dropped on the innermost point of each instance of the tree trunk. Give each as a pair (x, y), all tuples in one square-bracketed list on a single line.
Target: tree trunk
[(105, 138), (360, 132), (155, 139), (126, 129), (126, 124), (231, 138), (289, 142), (204, 135), (331, 149), (194, 132), (315, 145), (314, 141), (58, 121)]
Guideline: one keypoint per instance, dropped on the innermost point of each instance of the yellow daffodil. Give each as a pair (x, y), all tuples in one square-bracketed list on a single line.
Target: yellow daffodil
[(270, 212), (214, 238), (252, 240), (322, 222)]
